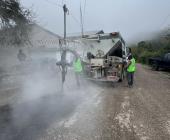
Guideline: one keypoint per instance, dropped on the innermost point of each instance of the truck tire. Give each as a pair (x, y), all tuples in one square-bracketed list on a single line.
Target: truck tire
[(122, 75), (121, 79), (155, 67)]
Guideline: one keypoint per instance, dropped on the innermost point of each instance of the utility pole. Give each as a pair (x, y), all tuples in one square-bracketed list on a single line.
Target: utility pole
[(65, 11), (63, 55), (81, 18)]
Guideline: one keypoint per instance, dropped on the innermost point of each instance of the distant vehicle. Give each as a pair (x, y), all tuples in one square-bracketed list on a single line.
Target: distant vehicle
[(160, 62)]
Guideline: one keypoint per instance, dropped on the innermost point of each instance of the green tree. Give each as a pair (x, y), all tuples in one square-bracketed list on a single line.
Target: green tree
[(14, 20), (147, 49)]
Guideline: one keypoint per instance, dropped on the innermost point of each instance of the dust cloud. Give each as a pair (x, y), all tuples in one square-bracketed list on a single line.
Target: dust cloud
[(38, 100)]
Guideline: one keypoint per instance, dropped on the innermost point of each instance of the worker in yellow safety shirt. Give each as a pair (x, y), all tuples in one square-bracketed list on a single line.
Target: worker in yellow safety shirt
[(78, 69), (131, 68)]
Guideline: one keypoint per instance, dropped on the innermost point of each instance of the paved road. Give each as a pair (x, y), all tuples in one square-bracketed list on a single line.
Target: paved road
[(91, 112)]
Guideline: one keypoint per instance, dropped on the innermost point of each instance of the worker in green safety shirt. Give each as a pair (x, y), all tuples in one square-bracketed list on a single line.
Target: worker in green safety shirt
[(131, 68), (78, 69)]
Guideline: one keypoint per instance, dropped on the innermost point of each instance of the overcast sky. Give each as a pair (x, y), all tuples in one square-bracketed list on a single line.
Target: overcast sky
[(132, 18)]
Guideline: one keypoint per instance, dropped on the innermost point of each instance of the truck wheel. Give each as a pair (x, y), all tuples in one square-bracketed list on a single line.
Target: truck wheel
[(155, 67), (122, 76)]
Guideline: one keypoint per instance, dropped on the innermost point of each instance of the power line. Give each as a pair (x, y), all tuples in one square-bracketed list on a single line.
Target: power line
[(54, 3), (84, 11), (75, 19), (64, 2), (166, 18)]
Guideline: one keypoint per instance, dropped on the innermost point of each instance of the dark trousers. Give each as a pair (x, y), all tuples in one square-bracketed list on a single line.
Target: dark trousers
[(77, 75), (130, 77)]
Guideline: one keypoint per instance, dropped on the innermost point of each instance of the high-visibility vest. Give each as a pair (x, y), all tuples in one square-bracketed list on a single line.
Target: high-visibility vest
[(77, 65), (132, 66)]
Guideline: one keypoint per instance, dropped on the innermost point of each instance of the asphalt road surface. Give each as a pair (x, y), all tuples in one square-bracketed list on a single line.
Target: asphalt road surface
[(32, 108)]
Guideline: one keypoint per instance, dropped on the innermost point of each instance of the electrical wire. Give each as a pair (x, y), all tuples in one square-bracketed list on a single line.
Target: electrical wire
[(166, 18), (54, 3), (84, 11), (75, 19)]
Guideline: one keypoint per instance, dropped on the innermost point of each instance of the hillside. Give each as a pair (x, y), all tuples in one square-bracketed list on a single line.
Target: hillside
[(151, 48)]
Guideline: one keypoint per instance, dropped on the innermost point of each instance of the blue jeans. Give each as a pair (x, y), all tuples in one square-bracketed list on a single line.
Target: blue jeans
[(130, 77), (77, 75)]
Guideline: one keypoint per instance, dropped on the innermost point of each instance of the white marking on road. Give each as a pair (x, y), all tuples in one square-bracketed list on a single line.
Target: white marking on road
[(168, 126), (125, 103), (139, 89), (144, 138), (71, 121), (97, 102), (140, 132), (124, 119), (94, 101), (125, 114)]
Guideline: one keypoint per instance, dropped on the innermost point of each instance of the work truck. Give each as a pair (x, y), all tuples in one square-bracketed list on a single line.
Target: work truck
[(103, 56)]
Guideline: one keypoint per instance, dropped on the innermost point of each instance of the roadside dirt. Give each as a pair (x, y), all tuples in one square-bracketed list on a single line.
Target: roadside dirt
[(95, 112), (138, 113), (142, 112)]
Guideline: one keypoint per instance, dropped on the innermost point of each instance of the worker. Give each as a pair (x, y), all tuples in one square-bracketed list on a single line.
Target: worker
[(129, 53), (78, 69), (21, 56), (131, 68)]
